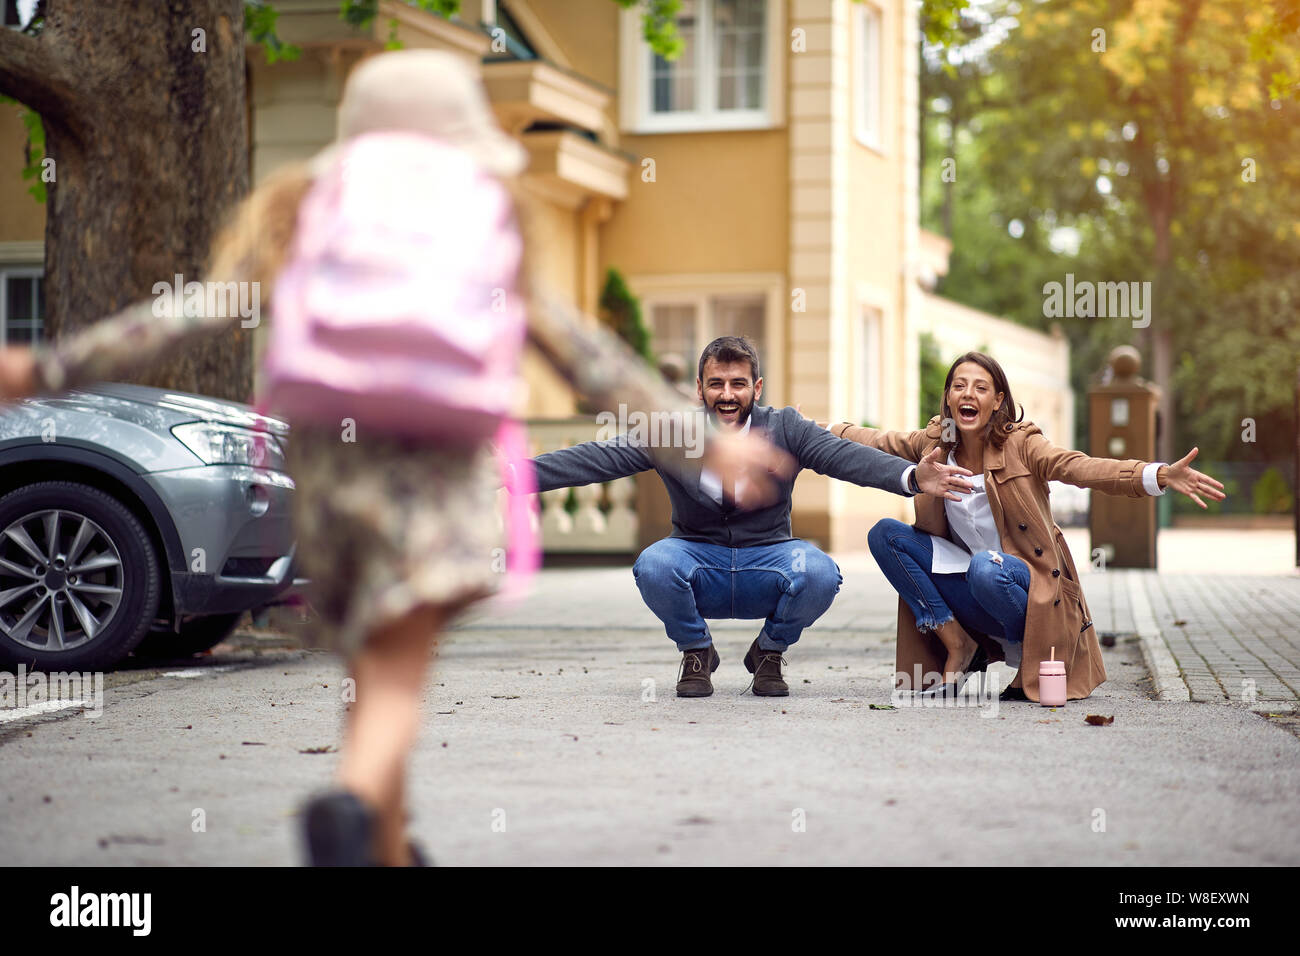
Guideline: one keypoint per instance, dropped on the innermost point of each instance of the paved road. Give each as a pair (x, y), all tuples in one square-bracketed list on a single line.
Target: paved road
[(540, 721)]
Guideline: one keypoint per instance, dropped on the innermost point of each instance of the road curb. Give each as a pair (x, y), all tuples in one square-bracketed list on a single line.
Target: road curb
[(1166, 676)]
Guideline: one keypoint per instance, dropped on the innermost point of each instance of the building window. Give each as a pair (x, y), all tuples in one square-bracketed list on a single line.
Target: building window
[(18, 12), (867, 367), (22, 306), (683, 327), (869, 73), (723, 78)]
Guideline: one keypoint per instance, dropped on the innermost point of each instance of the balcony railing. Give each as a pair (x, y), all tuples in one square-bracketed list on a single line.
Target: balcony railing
[(591, 519)]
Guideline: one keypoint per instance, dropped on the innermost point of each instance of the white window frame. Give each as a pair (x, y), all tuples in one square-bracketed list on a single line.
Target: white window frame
[(7, 273), (15, 26), (636, 89), (698, 290), (869, 343), (869, 83)]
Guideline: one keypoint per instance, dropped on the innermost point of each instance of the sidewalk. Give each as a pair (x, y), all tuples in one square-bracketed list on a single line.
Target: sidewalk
[(1224, 628)]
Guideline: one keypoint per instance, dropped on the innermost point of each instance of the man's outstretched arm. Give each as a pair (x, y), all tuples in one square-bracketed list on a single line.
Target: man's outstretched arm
[(590, 462), (818, 449)]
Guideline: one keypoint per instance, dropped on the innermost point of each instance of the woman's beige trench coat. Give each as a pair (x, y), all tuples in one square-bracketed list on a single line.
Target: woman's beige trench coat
[(1015, 478)]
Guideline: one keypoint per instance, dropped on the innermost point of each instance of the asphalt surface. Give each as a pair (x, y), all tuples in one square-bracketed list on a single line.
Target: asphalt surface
[(542, 744)]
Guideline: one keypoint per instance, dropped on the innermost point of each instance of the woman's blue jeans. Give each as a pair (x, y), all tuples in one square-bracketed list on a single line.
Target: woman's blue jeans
[(989, 597)]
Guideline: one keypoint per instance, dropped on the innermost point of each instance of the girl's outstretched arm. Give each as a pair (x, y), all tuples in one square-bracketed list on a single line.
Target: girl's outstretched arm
[(252, 248)]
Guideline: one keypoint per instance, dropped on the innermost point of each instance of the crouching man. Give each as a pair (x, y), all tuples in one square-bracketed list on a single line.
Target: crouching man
[(724, 562)]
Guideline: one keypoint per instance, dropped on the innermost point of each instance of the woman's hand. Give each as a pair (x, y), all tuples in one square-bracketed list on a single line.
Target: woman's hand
[(1181, 476), (17, 373), (941, 480)]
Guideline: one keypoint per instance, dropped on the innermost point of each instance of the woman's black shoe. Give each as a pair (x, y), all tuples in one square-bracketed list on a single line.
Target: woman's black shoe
[(1013, 693), (978, 665)]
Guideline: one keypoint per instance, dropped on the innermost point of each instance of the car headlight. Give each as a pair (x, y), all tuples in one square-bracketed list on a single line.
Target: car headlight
[(216, 444)]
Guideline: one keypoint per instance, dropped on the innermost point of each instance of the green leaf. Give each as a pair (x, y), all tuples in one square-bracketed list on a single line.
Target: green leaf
[(259, 28)]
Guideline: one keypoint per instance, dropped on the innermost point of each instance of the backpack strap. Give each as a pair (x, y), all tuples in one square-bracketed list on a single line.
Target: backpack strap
[(517, 475)]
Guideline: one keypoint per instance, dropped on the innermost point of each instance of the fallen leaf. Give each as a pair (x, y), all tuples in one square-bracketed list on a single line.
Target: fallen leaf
[(1097, 720), (1180, 623), (318, 750), (252, 743), (882, 707)]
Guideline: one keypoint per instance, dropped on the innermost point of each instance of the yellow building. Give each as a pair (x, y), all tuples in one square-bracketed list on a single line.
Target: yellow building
[(764, 184)]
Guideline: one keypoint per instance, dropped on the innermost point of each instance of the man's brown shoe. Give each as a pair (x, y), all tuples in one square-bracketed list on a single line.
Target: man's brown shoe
[(697, 665), (766, 667)]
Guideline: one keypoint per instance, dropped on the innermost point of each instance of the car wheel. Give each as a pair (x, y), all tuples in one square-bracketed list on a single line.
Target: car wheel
[(79, 579), (196, 635)]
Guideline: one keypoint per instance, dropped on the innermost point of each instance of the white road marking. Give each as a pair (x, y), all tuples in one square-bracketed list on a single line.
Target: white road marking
[(45, 706)]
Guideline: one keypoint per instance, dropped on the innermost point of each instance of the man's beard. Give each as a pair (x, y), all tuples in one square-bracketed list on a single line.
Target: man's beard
[(741, 417)]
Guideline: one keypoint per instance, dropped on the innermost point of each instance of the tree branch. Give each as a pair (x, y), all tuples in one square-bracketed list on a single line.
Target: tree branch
[(32, 76)]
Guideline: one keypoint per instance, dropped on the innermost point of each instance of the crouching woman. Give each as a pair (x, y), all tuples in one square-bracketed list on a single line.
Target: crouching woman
[(987, 576)]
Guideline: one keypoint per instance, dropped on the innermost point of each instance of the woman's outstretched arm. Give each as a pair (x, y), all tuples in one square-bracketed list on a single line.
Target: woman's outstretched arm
[(1128, 477)]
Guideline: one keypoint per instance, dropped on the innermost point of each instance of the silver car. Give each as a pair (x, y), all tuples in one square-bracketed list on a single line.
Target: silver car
[(132, 514)]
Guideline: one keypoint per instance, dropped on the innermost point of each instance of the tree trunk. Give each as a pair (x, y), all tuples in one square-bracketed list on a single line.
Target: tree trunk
[(145, 119)]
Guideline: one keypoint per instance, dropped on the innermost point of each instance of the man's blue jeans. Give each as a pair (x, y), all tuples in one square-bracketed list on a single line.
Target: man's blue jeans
[(989, 597), (791, 584)]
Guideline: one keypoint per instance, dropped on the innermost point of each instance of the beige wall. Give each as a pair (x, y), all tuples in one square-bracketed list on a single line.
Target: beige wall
[(718, 204), (584, 32), (22, 218), (554, 252)]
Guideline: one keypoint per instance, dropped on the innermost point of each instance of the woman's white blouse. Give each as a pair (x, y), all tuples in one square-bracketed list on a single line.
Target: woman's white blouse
[(971, 520)]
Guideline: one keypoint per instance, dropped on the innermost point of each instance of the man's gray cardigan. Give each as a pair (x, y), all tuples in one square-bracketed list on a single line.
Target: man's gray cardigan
[(696, 516)]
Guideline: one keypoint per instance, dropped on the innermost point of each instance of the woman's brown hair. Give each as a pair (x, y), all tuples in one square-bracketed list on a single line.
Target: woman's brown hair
[(1000, 423)]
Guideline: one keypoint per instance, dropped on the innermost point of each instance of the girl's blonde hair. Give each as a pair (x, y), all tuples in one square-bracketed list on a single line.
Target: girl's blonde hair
[(258, 237)]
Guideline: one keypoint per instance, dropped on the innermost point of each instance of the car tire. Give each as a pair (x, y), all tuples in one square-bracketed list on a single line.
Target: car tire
[(116, 562), (196, 636)]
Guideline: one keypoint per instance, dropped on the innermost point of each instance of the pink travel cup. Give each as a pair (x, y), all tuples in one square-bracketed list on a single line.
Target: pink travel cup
[(1051, 682)]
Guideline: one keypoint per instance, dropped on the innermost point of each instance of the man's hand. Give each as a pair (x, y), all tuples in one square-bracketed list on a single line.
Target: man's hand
[(1180, 476), (941, 480), (17, 373), (751, 464)]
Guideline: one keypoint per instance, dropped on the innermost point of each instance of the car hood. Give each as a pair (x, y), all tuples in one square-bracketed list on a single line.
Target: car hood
[(159, 407)]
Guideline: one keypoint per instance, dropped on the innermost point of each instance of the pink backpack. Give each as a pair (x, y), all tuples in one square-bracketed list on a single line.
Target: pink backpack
[(398, 309)]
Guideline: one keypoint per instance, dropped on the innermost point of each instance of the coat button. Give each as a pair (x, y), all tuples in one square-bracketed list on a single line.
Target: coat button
[(1056, 602), (1038, 551), (1056, 572), (1022, 526)]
